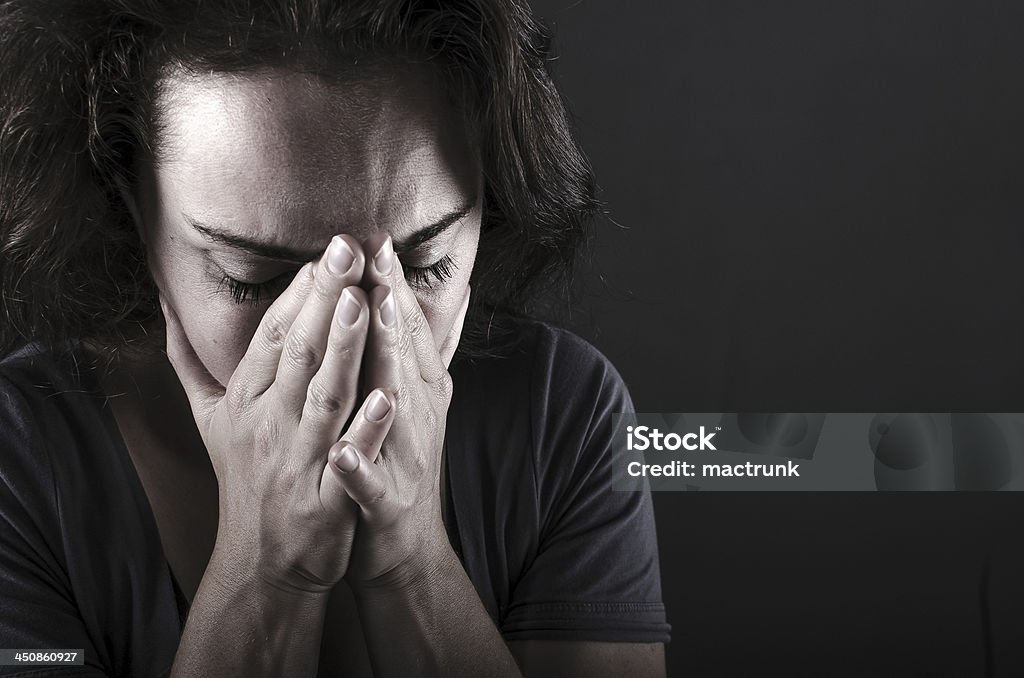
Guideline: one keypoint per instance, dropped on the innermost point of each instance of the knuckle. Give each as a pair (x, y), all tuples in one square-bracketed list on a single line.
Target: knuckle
[(444, 386), (299, 352), (264, 437), (238, 400), (414, 321), (321, 400), (378, 496), (274, 330), (286, 477), (340, 347), (404, 345), (403, 397), (391, 349), (430, 418), (419, 465), (307, 513), (323, 290)]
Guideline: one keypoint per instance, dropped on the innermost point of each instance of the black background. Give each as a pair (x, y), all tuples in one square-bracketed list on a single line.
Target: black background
[(820, 211)]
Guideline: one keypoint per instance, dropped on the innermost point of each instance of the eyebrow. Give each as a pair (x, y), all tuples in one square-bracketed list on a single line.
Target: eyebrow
[(287, 254)]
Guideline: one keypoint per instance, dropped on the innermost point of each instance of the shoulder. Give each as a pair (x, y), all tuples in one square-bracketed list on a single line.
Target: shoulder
[(550, 366), (568, 370), (73, 521), (30, 378), (48, 419), (580, 558), (548, 401), (66, 477), (33, 424), (33, 413), (44, 370), (39, 390)]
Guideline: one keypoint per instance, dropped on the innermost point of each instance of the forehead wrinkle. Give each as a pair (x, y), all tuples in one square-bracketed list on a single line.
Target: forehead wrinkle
[(377, 168), (283, 166), (417, 151), (424, 177), (393, 145)]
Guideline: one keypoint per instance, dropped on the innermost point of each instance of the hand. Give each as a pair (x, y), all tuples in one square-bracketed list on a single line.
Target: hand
[(398, 490), (282, 507)]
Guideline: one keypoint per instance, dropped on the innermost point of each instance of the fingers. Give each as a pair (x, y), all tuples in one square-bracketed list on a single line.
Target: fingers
[(203, 391), (383, 268), (255, 372), (451, 341), (349, 461), (305, 344), (370, 425), (332, 392), (387, 363), (367, 484)]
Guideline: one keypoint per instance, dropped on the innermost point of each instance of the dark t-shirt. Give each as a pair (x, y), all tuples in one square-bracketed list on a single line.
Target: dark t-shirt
[(552, 550)]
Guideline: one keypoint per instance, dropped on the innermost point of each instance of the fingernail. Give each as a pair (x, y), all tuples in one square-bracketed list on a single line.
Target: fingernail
[(346, 459), (378, 407), (387, 309), (339, 256), (384, 260), (348, 309)]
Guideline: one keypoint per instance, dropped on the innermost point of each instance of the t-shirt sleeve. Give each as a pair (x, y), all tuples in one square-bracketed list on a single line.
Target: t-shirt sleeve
[(596, 574), (37, 610)]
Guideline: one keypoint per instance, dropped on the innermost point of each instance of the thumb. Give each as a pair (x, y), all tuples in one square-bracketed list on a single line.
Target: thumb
[(203, 391)]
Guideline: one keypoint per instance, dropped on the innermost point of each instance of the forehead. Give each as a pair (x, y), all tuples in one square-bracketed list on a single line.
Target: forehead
[(295, 158)]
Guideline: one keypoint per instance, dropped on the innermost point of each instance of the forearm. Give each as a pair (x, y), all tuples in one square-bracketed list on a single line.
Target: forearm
[(241, 625), (430, 620)]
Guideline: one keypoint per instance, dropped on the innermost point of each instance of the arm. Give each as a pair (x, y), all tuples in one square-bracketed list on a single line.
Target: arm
[(285, 525), (431, 612), (241, 625), (417, 606)]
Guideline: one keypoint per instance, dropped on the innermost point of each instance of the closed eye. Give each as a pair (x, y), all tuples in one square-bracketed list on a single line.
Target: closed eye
[(255, 293), (434, 274)]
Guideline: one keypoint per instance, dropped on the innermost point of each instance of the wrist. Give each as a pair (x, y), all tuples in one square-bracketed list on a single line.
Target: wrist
[(233, 570), (241, 620), (424, 564)]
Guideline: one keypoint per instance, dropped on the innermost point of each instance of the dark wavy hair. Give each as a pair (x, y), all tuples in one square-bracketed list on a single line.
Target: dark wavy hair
[(78, 79)]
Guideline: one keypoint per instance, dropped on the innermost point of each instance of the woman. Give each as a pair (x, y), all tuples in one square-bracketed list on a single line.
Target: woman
[(239, 240)]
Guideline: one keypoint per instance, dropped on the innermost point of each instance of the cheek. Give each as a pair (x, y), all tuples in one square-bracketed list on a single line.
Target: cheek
[(436, 316), (441, 306), (219, 335), (218, 329), (220, 342)]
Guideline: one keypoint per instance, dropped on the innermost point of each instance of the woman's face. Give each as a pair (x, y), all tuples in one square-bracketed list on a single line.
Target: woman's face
[(257, 172)]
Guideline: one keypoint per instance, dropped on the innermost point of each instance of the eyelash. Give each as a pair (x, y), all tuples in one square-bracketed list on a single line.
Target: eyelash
[(254, 293), (441, 270)]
